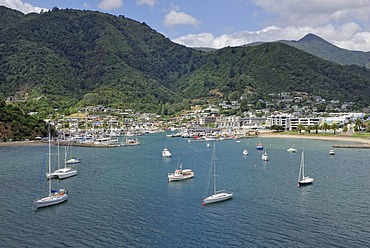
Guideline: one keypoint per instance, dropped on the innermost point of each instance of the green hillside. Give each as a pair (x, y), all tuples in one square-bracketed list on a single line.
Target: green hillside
[(64, 59)]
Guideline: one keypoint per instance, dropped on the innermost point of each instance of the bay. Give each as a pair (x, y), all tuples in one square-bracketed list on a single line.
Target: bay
[(121, 197)]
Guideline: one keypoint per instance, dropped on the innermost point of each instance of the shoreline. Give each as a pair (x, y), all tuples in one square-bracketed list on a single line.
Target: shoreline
[(22, 143), (315, 137)]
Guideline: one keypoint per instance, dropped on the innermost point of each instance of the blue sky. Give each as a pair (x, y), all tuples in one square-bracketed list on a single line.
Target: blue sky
[(220, 23)]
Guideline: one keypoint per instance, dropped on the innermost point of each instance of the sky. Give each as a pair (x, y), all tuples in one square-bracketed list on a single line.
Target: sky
[(221, 23)]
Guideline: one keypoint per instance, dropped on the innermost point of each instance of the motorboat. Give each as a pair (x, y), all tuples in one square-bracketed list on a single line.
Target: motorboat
[(331, 152), (180, 174), (166, 153), (245, 152), (259, 146), (292, 150)]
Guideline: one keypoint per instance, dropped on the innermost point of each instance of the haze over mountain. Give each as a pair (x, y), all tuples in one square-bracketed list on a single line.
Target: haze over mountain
[(70, 58)]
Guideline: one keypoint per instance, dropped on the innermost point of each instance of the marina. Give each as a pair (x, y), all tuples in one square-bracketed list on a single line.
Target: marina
[(114, 199)]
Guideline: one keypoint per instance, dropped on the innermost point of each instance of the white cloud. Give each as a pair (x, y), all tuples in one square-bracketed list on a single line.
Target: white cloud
[(345, 36), (146, 2), (110, 4), (315, 12), (21, 6), (179, 18)]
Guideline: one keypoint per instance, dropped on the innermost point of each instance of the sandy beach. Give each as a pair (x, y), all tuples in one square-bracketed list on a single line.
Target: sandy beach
[(315, 137), (22, 143)]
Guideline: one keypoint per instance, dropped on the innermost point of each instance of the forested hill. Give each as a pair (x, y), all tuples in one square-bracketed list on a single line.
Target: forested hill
[(69, 58), (317, 46)]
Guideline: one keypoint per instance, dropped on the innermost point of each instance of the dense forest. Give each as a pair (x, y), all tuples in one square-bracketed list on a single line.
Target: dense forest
[(19, 125), (64, 59)]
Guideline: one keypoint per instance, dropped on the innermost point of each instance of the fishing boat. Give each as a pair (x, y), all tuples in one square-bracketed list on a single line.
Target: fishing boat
[(180, 174), (218, 195), (264, 156), (302, 179), (166, 153), (54, 196)]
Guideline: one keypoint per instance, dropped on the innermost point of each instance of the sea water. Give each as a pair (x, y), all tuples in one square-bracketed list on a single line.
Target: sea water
[(121, 196)]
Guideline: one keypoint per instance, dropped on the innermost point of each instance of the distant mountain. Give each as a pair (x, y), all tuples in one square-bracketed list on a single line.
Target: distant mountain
[(321, 48), (63, 59)]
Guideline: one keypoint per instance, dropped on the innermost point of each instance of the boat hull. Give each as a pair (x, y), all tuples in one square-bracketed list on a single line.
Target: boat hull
[(73, 161), (222, 196), (172, 177), (62, 175), (51, 200), (305, 181)]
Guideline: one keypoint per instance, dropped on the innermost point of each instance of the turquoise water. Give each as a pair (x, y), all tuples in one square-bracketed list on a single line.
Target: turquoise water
[(121, 197)]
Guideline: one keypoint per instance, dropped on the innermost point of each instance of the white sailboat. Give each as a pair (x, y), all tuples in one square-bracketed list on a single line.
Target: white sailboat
[(62, 173), (264, 156), (72, 159), (218, 195), (302, 179), (54, 196)]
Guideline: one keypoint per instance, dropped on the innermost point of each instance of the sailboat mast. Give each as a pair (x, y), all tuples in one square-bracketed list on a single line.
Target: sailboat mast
[(302, 165), (49, 161), (214, 168)]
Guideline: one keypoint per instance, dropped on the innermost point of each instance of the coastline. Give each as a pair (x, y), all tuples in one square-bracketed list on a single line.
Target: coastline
[(316, 137), (22, 143)]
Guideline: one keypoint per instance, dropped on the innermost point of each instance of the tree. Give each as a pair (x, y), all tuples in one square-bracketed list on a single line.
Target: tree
[(358, 124), (316, 128), (325, 126), (300, 127), (334, 126)]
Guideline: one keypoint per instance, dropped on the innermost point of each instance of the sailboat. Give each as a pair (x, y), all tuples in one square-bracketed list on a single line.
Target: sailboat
[(220, 195), (62, 173), (55, 196), (302, 179), (72, 160), (264, 156)]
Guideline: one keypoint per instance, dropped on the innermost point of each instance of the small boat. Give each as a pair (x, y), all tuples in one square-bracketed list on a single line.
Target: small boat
[(331, 152), (62, 173), (54, 196), (73, 160), (302, 179), (292, 150), (259, 146), (245, 152), (180, 174), (166, 153), (208, 145), (130, 142), (218, 195), (264, 156)]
